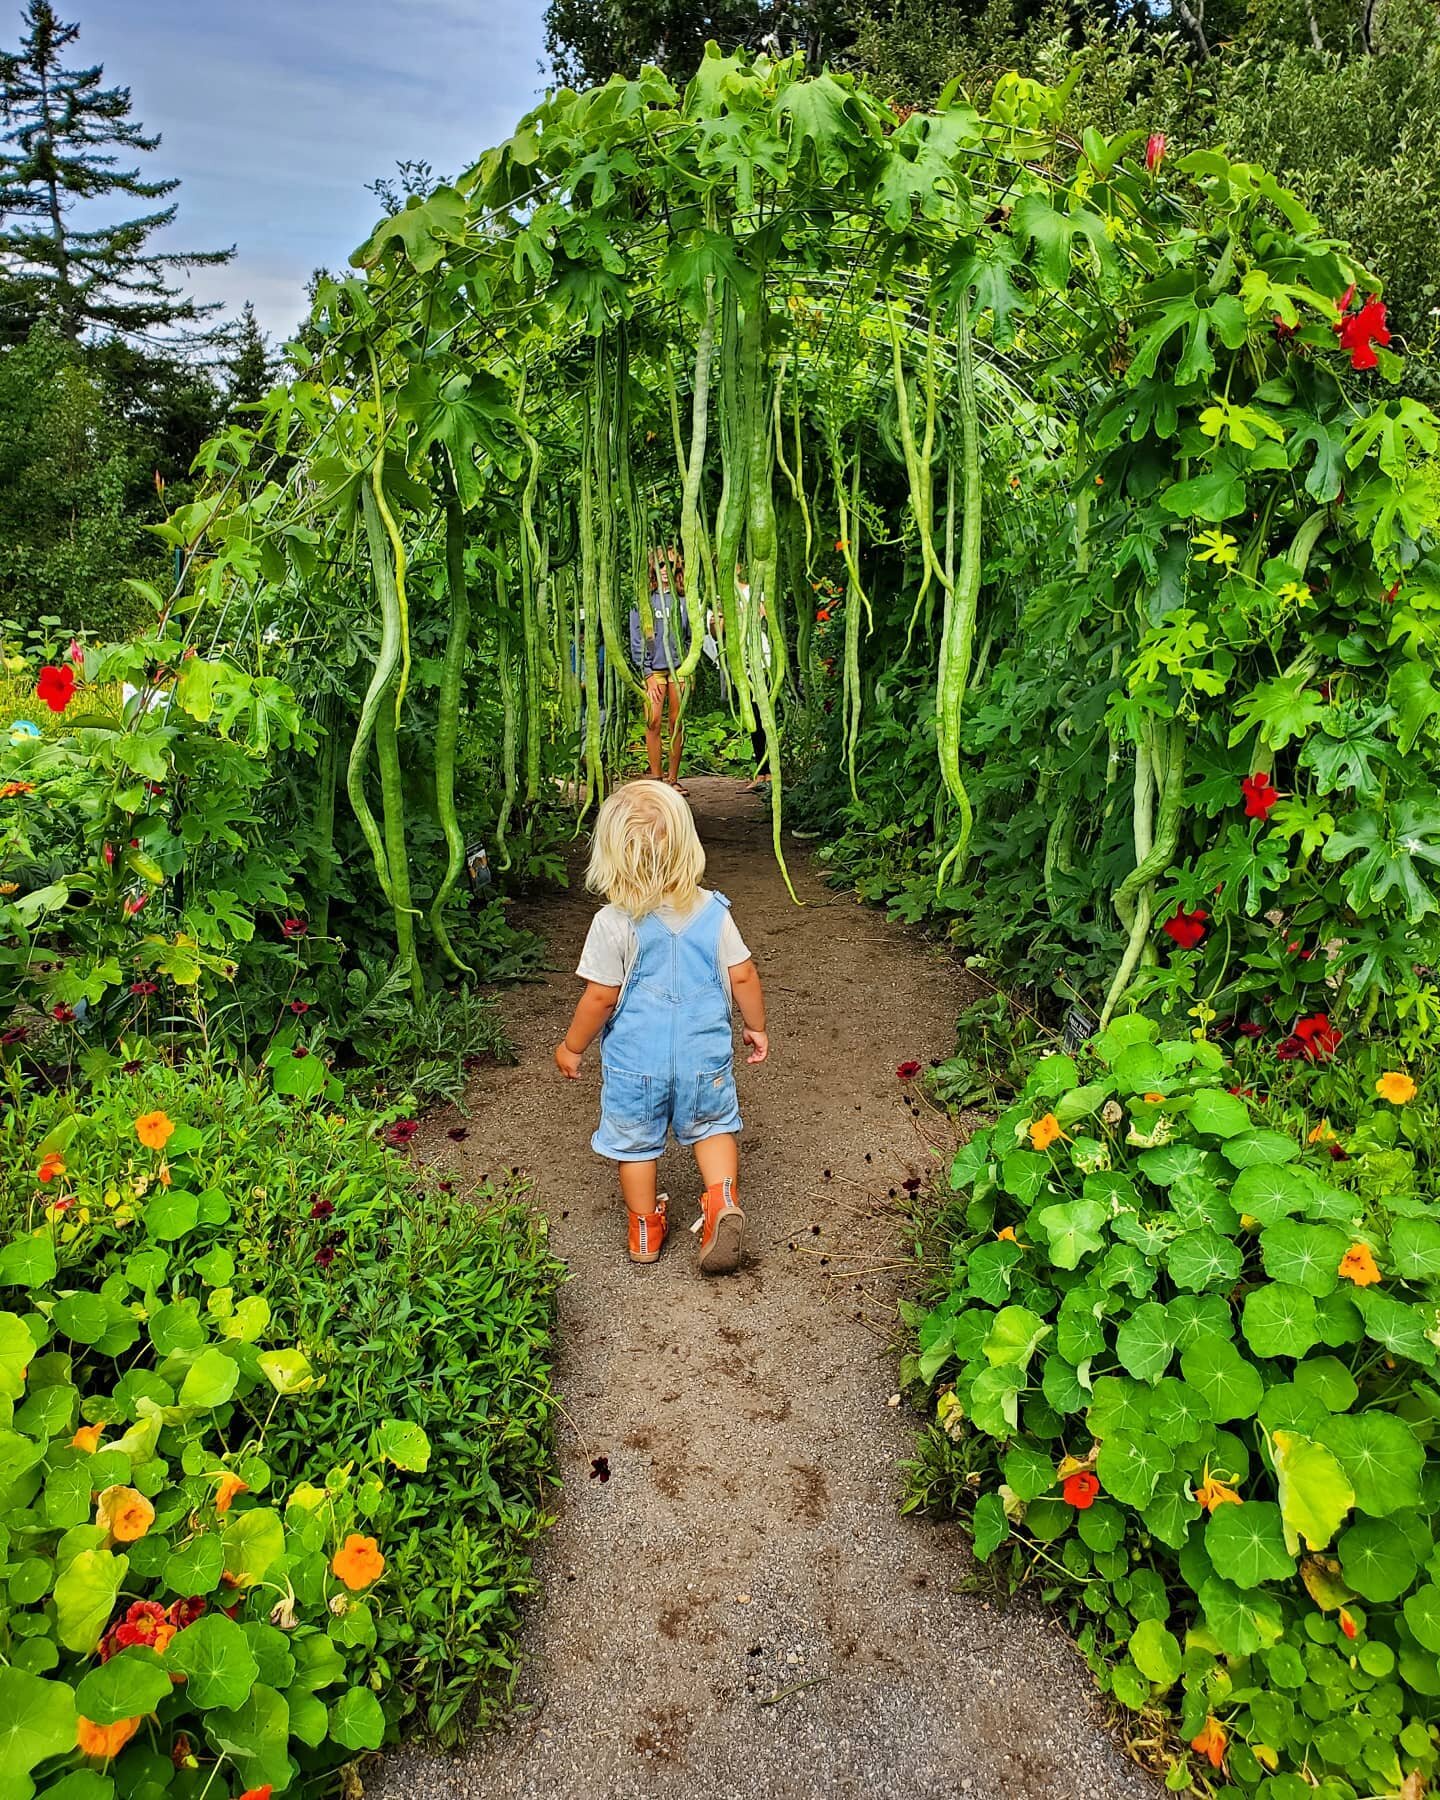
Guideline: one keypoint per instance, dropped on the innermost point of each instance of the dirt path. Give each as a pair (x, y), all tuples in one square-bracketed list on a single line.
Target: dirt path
[(747, 1544)]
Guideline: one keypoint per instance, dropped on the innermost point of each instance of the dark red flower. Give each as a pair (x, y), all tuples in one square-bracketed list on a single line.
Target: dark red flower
[(294, 928), (324, 1256), (1337, 1154), (1360, 332), (141, 1624), (131, 1068), (1391, 592), (457, 1134), (299, 1052), (17, 1034), (1250, 1030), (1080, 1489), (1318, 1036), (322, 1209), (143, 988), (155, 789), (1186, 928), (181, 1753), (56, 686), (1296, 947), (1289, 1049), (600, 1468), (1154, 150), (911, 1184), (399, 1132), (907, 1071), (1260, 796), (186, 1612), (299, 1007), (62, 1013), (1284, 332)]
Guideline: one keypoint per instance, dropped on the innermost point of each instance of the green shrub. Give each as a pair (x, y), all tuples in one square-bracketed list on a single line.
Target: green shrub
[(279, 1344), (1186, 1356)]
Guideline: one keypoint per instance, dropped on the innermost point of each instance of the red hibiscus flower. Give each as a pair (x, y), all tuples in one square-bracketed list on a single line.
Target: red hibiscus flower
[(1186, 928), (1318, 1037), (399, 1133), (294, 928), (1080, 1490), (1154, 150), (1260, 796), (907, 1071), (1360, 332), (56, 686)]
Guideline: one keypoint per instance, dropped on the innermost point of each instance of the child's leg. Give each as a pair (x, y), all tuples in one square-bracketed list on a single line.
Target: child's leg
[(721, 1223), (637, 1185)]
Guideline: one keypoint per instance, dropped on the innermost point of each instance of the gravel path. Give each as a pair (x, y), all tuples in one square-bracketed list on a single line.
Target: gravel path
[(739, 1611)]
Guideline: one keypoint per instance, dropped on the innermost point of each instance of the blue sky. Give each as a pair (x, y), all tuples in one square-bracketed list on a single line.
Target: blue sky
[(275, 113)]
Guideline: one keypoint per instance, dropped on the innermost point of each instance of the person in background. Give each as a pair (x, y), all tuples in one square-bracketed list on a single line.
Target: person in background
[(658, 657)]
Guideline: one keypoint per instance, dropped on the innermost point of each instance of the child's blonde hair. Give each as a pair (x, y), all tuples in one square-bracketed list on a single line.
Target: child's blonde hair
[(646, 851)]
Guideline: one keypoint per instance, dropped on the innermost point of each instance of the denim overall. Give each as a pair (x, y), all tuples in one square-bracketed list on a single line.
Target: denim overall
[(667, 1054)]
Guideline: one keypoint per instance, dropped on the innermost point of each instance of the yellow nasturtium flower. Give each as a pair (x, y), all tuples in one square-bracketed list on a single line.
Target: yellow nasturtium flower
[(1395, 1087)]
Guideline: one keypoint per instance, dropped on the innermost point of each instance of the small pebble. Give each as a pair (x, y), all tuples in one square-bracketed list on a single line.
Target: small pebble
[(894, 1400), (742, 1599)]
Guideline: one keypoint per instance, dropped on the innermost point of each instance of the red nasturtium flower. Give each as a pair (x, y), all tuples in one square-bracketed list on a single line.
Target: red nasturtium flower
[(1319, 1040), (56, 686), (1080, 1489), (51, 1165), (1154, 150), (1186, 928), (1360, 332), (1260, 796)]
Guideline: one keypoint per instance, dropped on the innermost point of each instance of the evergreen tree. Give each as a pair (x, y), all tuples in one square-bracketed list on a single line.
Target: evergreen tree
[(249, 369), (62, 141)]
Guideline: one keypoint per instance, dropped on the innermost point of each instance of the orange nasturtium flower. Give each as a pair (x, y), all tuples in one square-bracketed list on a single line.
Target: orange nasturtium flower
[(87, 1438), (124, 1513), (1358, 1265), (51, 1165), (1212, 1493), (154, 1130), (104, 1740), (260, 1793), (1153, 1099), (1395, 1087), (358, 1562), (1210, 1741), (1320, 1134), (230, 1486), (1044, 1132)]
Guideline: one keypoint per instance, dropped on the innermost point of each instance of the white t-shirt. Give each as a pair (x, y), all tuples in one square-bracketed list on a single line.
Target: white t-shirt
[(611, 945)]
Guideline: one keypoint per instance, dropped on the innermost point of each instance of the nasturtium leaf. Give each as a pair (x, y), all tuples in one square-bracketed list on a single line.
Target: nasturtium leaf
[(989, 1525), (1118, 1404), (255, 1736), (1171, 1510), (1193, 1315), (1327, 1380), (1178, 1413), (210, 1380), (1023, 1174), (1247, 1544), (1376, 1560), (1144, 1344), (1252, 1149), (356, 1629), (356, 1721), (176, 1326), (1171, 1163), (1287, 1407), (1269, 1192), (1156, 1653), (217, 1268), (1124, 1266), (83, 1318), (1075, 1230), (1079, 1332), (1422, 1615), (248, 1319), (131, 1683), (1081, 1102), (37, 1721), (67, 1496), (1129, 1466), (406, 1445), (1048, 1518), (171, 1213), (318, 1663), (1028, 1471), (85, 1595), (271, 1649), (1382, 1457), (1218, 1114), (1305, 1256), (1315, 1492), (309, 1718), (1229, 1385), (1415, 1249), (1138, 1069), (288, 1371), (1014, 1337), (253, 1541), (27, 1262), (1101, 1526), (1060, 1384), (989, 1270), (1339, 1320), (216, 1660), (995, 1400), (1279, 1320), (1203, 1259), (196, 1567), (1399, 1327), (1242, 1620)]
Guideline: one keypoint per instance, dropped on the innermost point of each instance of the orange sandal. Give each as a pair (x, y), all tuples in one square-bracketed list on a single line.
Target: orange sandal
[(722, 1230), (647, 1232)]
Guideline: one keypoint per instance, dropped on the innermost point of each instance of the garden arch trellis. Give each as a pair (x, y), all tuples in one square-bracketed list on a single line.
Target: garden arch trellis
[(713, 315)]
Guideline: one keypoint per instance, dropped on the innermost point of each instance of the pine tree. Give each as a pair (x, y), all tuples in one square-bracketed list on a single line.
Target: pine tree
[(249, 369), (62, 139)]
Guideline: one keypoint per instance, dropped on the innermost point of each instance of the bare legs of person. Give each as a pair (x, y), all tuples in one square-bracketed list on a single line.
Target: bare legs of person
[(656, 688), (717, 1158)]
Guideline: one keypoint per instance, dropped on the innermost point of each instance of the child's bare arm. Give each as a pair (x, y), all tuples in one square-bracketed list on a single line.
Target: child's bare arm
[(750, 998), (592, 1010)]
